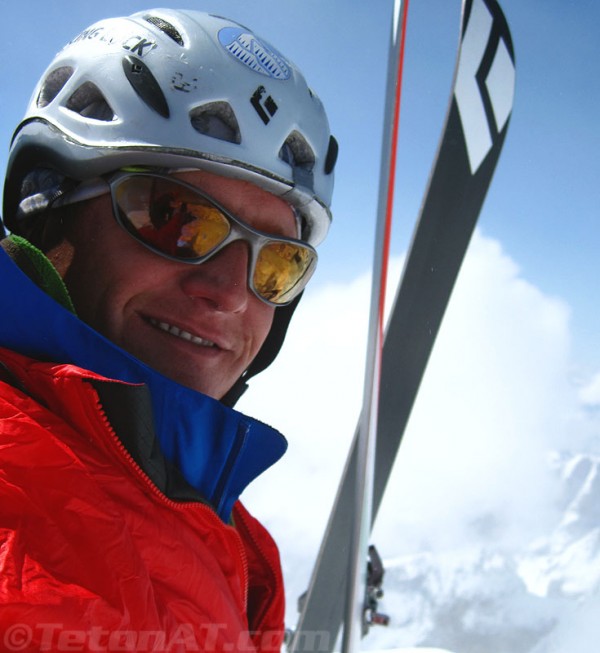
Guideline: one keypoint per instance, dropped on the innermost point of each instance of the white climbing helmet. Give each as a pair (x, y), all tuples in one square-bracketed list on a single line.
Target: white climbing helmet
[(178, 89)]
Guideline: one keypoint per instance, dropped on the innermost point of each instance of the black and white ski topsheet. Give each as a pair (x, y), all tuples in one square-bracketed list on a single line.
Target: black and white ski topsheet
[(472, 138)]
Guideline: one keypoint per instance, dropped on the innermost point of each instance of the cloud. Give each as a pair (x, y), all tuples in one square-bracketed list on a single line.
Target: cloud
[(472, 468), (590, 393), (494, 400), (578, 630)]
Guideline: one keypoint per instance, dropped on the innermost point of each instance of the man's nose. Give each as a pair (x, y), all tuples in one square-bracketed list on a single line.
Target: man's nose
[(222, 280)]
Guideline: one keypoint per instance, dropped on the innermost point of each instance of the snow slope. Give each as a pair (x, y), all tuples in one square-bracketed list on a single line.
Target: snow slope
[(496, 600)]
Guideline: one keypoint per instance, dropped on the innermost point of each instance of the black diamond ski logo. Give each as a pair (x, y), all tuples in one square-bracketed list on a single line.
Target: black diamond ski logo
[(485, 79), (265, 108)]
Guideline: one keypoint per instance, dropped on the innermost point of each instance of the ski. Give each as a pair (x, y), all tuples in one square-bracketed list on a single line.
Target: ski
[(472, 138), (356, 594)]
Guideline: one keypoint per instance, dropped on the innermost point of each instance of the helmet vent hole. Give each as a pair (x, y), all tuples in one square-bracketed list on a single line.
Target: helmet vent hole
[(53, 85), (170, 30), (217, 120), (297, 152), (89, 102)]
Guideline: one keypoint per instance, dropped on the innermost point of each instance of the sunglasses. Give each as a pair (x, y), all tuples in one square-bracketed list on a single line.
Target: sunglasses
[(180, 222)]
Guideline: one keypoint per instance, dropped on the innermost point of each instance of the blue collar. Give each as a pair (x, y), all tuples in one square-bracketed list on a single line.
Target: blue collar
[(218, 450)]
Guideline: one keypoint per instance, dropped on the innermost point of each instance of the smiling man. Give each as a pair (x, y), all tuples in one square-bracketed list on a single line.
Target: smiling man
[(164, 195), (200, 325)]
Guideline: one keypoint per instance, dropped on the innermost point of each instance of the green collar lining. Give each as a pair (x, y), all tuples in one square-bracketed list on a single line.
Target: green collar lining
[(38, 268)]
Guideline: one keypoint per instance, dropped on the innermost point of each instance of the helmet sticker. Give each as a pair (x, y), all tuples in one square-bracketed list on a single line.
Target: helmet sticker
[(265, 108), (93, 34), (254, 53), (138, 45)]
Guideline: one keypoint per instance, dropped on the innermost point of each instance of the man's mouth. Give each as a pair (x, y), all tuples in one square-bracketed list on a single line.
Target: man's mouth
[(180, 333)]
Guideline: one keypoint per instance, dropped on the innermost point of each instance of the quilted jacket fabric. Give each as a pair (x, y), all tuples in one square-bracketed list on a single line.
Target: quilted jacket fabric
[(94, 557)]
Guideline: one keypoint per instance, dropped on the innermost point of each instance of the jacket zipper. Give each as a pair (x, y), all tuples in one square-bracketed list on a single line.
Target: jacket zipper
[(276, 580), (124, 454)]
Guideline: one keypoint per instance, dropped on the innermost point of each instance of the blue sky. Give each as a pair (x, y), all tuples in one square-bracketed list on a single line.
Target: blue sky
[(545, 199)]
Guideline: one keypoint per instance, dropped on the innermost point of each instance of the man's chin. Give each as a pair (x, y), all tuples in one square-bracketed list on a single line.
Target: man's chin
[(201, 381)]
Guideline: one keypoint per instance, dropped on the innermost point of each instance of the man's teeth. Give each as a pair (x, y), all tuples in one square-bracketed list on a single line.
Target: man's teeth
[(180, 333)]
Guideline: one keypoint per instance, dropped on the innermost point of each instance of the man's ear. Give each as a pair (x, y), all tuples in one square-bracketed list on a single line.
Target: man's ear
[(61, 256)]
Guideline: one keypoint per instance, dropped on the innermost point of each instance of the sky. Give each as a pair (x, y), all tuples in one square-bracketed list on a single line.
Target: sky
[(516, 364)]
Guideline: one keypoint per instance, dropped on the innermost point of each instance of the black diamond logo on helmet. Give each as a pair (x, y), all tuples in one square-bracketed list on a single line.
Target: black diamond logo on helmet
[(266, 108)]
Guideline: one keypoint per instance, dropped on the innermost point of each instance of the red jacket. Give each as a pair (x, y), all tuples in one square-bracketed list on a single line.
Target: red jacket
[(94, 557)]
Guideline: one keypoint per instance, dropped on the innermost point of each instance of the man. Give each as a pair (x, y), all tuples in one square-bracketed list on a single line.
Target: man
[(164, 193)]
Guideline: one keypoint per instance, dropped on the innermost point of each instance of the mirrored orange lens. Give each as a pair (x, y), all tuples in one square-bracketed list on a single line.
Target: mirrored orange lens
[(169, 217), (282, 267), (205, 228)]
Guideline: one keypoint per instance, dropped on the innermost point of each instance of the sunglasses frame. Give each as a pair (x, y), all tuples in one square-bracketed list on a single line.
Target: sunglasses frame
[(239, 230)]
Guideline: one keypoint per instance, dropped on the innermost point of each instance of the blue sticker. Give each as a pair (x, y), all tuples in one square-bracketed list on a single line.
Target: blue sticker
[(254, 53)]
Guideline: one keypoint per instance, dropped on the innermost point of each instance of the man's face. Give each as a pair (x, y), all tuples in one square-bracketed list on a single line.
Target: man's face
[(199, 325)]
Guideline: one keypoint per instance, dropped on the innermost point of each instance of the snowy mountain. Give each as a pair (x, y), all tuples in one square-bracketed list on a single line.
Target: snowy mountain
[(492, 600)]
